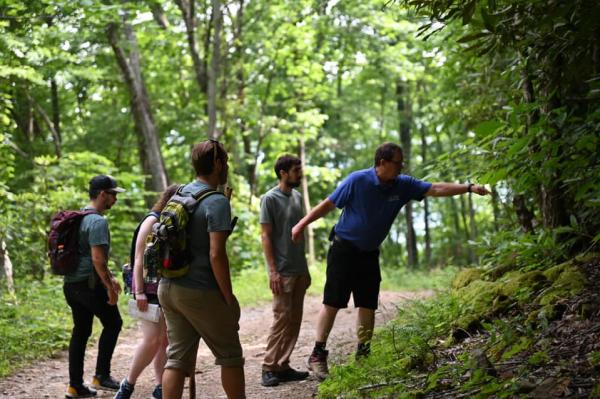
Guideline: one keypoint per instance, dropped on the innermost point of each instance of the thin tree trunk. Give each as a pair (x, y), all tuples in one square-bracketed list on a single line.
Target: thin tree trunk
[(404, 114), (496, 208), (426, 202), (473, 229), (55, 136), (55, 109), (7, 268), (159, 15), (213, 72), (148, 140), (305, 195), (188, 10)]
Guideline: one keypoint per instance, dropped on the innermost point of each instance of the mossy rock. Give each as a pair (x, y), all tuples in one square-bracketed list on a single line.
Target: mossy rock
[(519, 286), (477, 303), (567, 284), (555, 271), (498, 271), (466, 277)]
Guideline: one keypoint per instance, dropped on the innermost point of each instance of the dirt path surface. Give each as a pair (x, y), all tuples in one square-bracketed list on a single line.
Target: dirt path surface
[(48, 379)]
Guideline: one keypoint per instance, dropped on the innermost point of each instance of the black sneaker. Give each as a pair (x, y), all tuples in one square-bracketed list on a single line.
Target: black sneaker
[(125, 390), (105, 382), (157, 393), (269, 379), (291, 375), (80, 392)]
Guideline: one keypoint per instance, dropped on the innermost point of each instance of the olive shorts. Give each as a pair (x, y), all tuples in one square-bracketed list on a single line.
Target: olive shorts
[(192, 314)]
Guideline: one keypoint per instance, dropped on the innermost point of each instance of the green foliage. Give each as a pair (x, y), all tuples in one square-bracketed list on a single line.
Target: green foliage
[(37, 323)]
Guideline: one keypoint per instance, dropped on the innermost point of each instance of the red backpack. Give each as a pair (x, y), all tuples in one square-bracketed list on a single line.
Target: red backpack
[(63, 241)]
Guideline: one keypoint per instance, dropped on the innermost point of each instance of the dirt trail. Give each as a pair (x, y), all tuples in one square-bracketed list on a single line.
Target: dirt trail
[(48, 379)]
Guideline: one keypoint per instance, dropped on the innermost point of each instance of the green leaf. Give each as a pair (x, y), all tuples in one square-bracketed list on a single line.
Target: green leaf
[(488, 127)]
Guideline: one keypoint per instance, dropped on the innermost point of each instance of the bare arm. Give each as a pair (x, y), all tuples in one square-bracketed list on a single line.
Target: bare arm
[(138, 267), (100, 261), (450, 189), (274, 276), (317, 212), (219, 262)]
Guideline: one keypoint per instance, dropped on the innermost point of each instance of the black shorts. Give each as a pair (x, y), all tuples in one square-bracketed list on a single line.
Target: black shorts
[(350, 270)]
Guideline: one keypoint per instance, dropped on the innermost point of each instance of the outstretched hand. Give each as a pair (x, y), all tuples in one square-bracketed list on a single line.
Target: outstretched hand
[(481, 190)]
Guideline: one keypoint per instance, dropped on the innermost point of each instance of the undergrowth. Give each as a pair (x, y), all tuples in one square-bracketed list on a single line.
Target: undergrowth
[(492, 313), (37, 322)]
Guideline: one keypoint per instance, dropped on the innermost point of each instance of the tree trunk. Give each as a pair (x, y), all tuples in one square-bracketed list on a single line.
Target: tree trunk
[(159, 15), (496, 208), (7, 269), (404, 114), (55, 136), (305, 195), (213, 72), (188, 11), (473, 229), (426, 202), (149, 147), (55, 109)]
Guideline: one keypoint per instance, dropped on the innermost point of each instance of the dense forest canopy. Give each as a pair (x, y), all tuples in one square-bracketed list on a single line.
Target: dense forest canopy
[(499, 92)]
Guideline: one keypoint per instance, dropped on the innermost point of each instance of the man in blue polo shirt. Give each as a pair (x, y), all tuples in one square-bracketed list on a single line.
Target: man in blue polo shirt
[(370, 199)]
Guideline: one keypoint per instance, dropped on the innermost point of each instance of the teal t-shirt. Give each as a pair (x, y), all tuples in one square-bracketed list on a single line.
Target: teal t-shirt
[(211, 215), (93, 231), (282, 211)]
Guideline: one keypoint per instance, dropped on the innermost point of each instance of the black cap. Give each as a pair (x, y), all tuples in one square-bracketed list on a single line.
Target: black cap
[(105, 182)]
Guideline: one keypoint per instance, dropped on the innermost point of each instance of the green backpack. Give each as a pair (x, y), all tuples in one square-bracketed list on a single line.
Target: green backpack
[(167, 251)]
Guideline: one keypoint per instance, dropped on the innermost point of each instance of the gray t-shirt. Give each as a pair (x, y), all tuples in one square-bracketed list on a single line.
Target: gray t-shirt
[(93, 231), (211, 215), (282, 211)]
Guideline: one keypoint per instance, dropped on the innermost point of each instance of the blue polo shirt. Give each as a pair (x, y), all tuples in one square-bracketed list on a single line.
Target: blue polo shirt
[(370, 206)]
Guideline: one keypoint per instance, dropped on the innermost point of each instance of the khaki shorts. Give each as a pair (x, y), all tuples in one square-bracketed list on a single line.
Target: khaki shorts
[(192, 314)]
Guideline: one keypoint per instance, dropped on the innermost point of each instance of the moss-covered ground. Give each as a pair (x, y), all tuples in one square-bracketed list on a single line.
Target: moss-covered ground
[(498, 332)]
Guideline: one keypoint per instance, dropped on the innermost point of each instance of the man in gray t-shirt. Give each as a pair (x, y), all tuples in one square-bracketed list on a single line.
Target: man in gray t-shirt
[(201, 304), (280, 209)]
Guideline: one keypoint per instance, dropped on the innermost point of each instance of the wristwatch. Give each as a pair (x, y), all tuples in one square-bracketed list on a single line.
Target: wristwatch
[(469, 187)]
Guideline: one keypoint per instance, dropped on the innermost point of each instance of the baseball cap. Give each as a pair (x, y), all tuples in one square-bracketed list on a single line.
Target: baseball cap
[(105, 182)]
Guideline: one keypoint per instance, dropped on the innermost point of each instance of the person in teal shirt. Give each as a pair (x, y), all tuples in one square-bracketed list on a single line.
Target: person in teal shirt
[(91, 290)]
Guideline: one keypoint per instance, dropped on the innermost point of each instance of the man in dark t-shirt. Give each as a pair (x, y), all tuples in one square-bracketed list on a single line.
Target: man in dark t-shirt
[(280, 209), (370, 199)]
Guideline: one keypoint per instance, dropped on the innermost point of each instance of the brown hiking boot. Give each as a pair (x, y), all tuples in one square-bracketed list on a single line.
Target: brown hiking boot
[(317, 363)]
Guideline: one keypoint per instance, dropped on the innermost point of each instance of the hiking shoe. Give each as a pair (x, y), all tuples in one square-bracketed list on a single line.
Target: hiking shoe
[(125, 390), (105, 382), (291, 375), (80, 392), (269, 379), (317, 363), (157, 393)]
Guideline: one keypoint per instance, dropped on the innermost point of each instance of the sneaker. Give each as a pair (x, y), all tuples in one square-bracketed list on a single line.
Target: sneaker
[(317, 363), (157, 393), (291, 375), (80, 392), (125, 390), (269, 379), (106, 383)]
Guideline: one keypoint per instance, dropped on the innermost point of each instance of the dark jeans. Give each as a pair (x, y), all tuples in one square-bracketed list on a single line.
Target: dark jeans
[(86, 303)]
